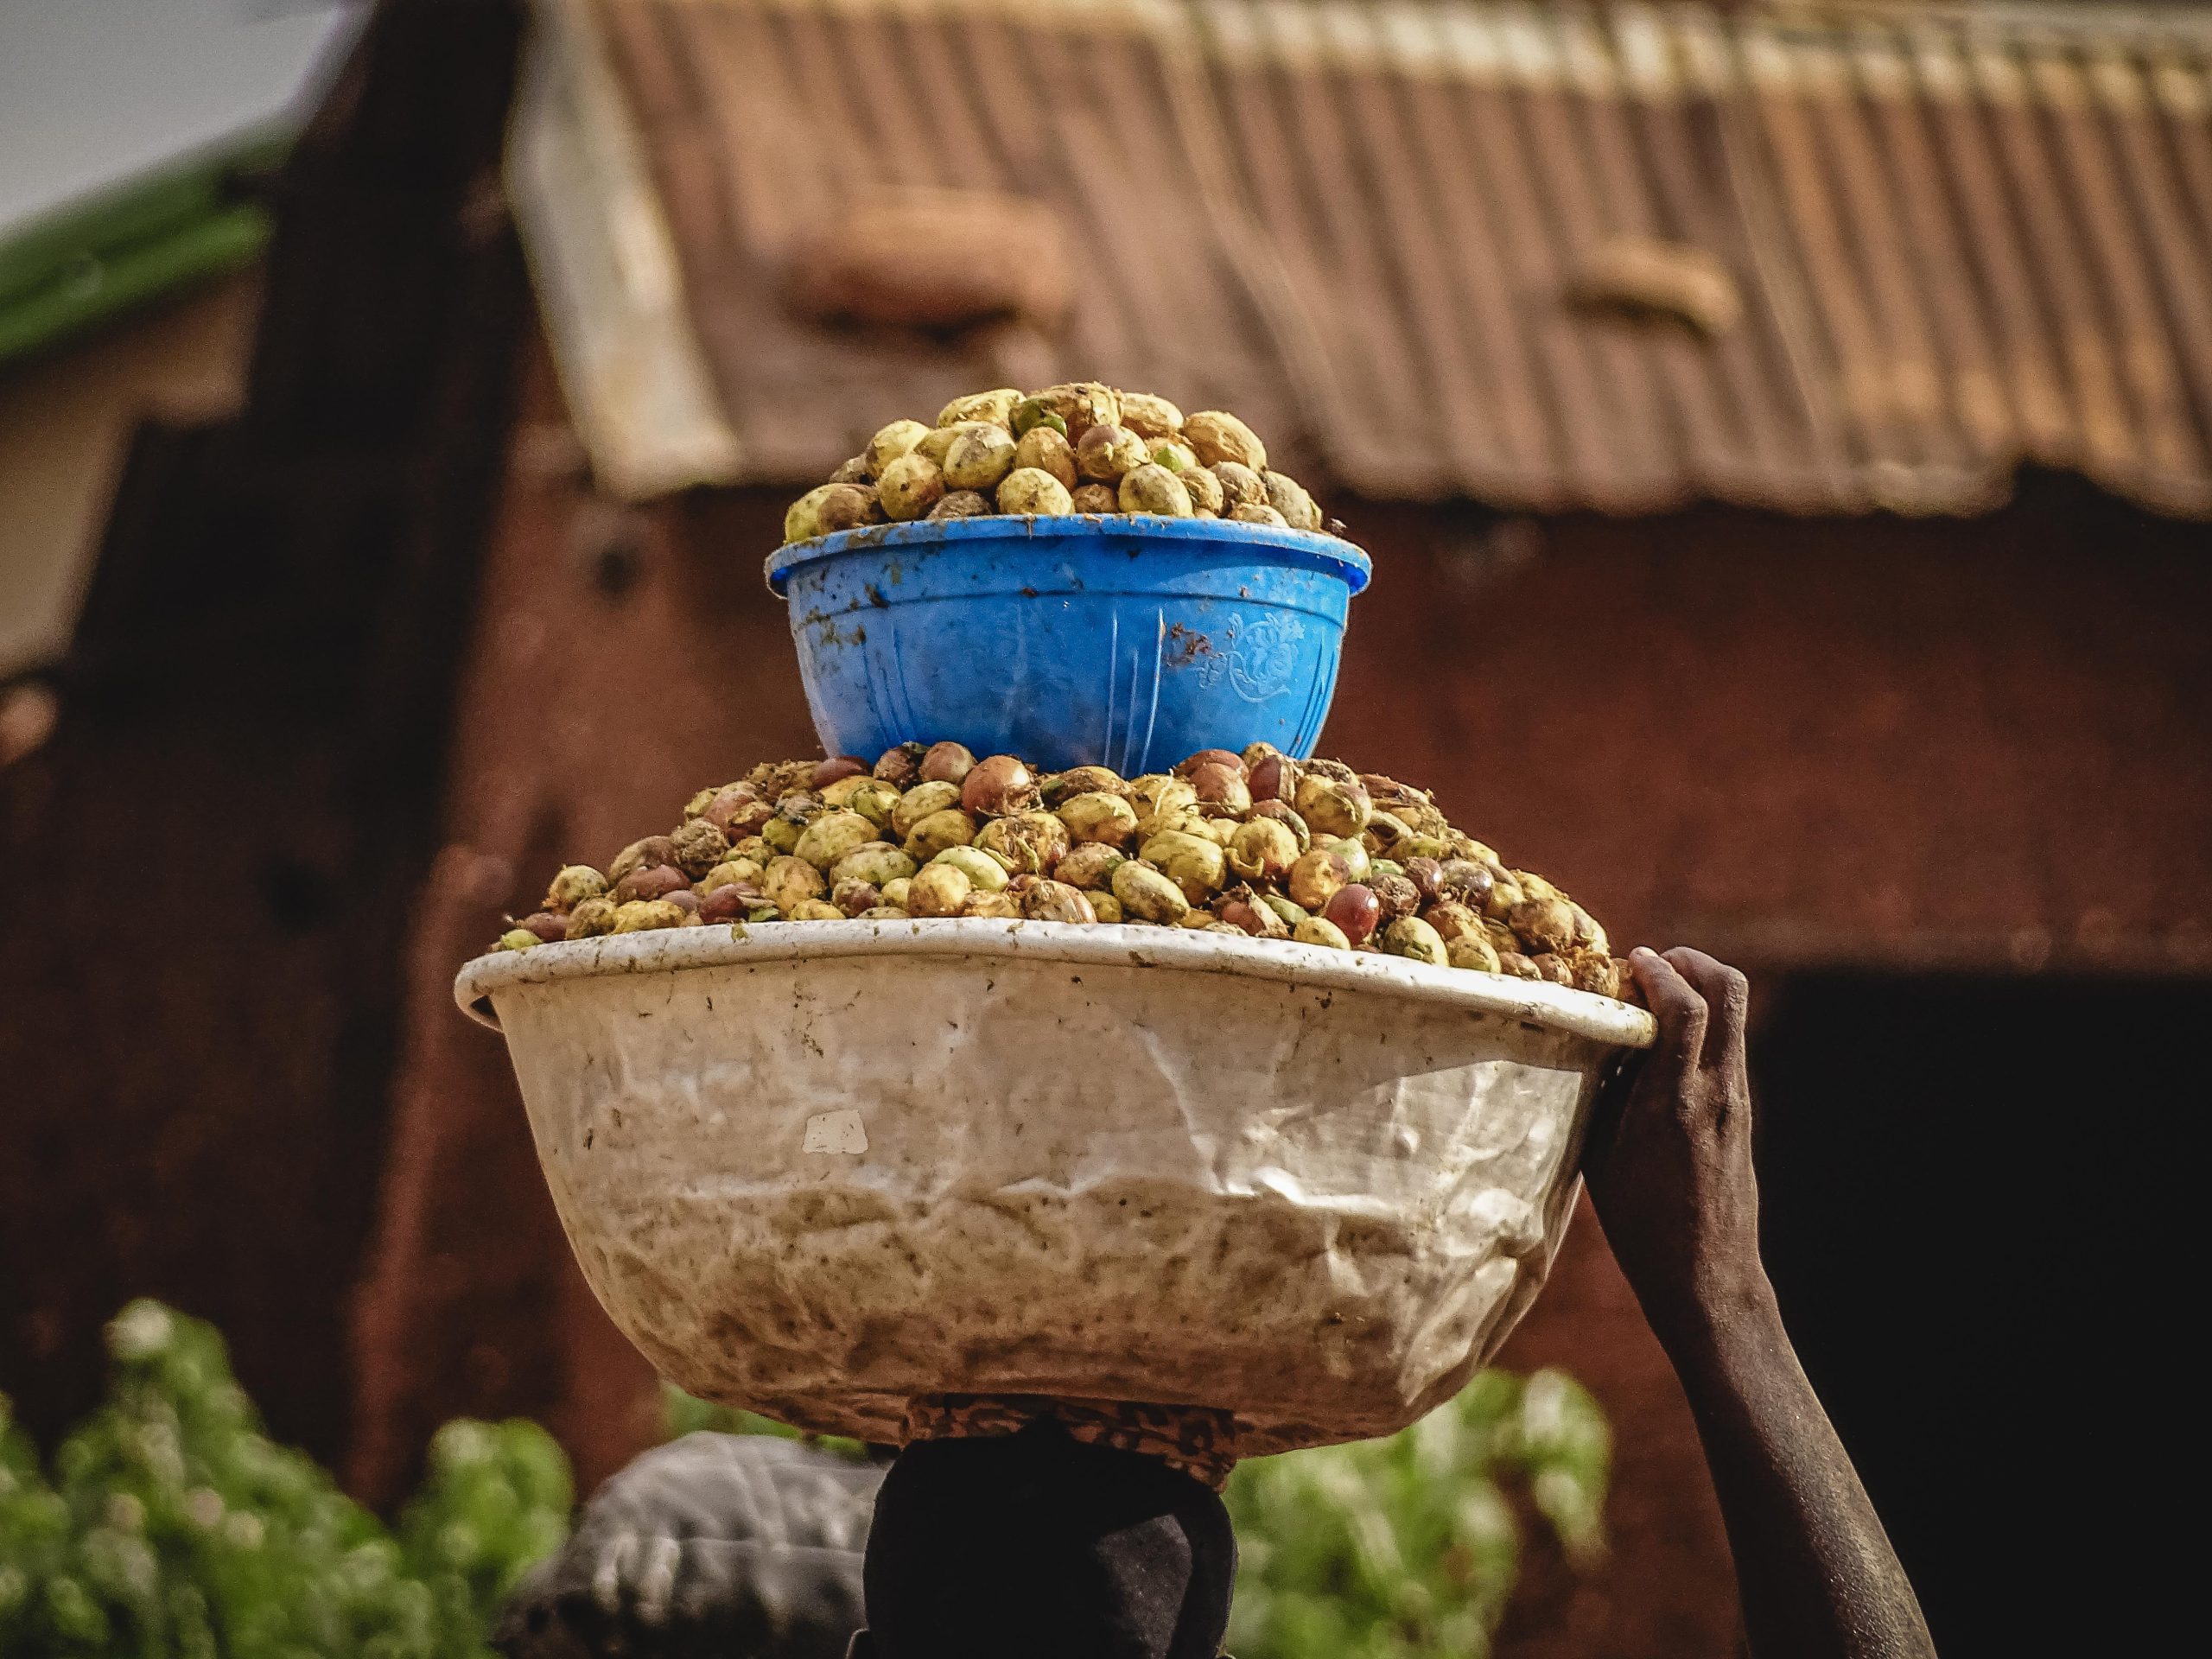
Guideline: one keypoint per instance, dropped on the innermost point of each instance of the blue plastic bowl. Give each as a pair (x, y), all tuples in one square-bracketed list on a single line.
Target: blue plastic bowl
[(1120, 641)]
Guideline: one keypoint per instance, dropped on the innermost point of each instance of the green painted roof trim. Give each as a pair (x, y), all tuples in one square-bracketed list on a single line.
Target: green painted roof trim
[(72, 270)]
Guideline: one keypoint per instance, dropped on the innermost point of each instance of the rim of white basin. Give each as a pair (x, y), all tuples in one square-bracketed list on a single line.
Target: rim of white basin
[(676, 950)]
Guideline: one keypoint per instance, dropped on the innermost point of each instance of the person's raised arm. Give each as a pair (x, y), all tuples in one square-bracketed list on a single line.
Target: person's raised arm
[(1670, 1171)]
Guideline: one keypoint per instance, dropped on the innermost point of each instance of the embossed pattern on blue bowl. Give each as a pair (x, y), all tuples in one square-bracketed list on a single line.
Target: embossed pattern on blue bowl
[(1124, 641)]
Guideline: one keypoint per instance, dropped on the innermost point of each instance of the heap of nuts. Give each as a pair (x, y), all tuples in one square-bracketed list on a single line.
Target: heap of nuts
[(1078, 448), (1254, 844)]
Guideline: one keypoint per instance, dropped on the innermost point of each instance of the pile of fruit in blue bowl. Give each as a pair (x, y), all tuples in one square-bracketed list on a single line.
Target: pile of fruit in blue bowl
[(1078, 573)]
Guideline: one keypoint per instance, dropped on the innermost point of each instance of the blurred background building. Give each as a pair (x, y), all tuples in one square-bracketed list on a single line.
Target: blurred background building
[(1784, 436)]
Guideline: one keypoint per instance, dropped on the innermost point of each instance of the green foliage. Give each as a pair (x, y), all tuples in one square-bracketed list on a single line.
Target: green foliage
[(683, 1414), (1407, 1547), (173, 1528)]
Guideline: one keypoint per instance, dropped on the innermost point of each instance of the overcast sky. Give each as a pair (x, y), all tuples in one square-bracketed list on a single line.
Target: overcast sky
[(93, 92)]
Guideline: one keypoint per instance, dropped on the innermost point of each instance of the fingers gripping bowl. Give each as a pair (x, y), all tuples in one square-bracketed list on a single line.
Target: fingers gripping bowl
[(816, 1168)]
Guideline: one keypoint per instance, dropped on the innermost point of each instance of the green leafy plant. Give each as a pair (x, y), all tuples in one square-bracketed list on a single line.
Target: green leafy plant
[(173, 1528), (1408, 1548), (170, 1527)]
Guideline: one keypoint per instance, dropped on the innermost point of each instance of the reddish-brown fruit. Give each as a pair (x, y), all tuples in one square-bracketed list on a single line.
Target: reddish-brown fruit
[(1399, 896), (1222, 788), (1356, 910), (650, 881), (1228, 757), (685, 899), (947, 763), (998, 787), (550, 925), (727, 902), (829, 772), (1275, 777), (1465, 881), (902, 767), (1427, 876)]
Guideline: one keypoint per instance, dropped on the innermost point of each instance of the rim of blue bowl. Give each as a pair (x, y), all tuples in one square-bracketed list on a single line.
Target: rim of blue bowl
[(1310, 547)]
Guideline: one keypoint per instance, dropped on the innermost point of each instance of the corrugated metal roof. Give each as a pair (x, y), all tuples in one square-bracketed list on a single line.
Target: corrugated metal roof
[(1962, 238)]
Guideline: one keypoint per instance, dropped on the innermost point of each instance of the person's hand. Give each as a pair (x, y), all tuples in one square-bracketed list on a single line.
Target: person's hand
[(1668, 1162)]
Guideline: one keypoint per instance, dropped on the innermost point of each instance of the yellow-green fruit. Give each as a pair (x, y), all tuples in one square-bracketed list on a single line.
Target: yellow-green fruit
[(939, 831), (1152, 488), (802, 519), (910, 487), (1101, 817), (1175, 457), (980, 456), (1331, 807), (919, 802), (1089, 865), (839, 792), (1192, 862), (877, 862), (1148, 895), (1415, 940), (996, 407), (1204, 488), (1042, 448), (848, 507), (591, 918), (1470, 951), (1240, 486), (1258, 516), (1104, 906), (1289, 914), (1096, 499), (872, 798), (938, 890), (1453, 920), (815, 910), (830, 836), (1262, 850), (645, 915), (1056, 901), (1289, 497), (936, 444), (979, 866), (1198, 921), (787, 880), (516, 938), (962, 504), (1216, 435), (1318, 929), (572, 885), (1080, 405), (890, 442), (1149, 416), (894, 891), (739, 872), (1160, 791), (1547, 924), (1026, 843), (1105, 452), (986, 907), (1032, 493)]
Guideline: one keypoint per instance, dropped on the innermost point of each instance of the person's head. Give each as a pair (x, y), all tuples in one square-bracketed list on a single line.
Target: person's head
[(1036, 1544)]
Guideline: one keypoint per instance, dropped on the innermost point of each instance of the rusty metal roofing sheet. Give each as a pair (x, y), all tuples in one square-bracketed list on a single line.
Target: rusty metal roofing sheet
[(1963, 239)]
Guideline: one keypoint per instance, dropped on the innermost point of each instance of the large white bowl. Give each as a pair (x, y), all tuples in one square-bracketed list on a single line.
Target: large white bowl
[(817, 1168)]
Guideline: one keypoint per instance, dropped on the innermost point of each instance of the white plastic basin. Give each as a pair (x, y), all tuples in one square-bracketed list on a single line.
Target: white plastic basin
[(817, 1168)]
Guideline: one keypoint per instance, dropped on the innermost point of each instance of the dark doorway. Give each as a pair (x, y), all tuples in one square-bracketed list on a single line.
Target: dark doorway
[(1974, 1214)]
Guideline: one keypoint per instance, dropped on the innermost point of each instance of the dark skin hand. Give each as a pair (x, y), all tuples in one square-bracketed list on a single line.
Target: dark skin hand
[(1670, 1171)]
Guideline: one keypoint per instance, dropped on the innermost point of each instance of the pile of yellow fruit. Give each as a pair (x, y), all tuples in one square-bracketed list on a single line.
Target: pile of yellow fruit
[(1078, 448), (1256, 845)]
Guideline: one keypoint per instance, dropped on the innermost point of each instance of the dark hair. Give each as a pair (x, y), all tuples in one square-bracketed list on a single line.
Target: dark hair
[(1033, 1544)]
